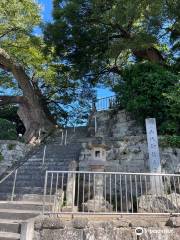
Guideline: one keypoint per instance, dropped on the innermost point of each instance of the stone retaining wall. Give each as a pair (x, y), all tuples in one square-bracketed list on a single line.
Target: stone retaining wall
[(10, 152), (126, 143), (115, 229)]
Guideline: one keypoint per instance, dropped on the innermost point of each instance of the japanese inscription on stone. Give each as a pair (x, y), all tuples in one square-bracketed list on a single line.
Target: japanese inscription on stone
[(153, 148)]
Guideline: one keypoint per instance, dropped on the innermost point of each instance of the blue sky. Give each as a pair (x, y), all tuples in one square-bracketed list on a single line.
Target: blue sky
[(46, 9), (47, 16)]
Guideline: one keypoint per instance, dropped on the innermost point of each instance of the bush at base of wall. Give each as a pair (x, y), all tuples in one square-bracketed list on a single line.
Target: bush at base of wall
[(7, 130), (170, 141)]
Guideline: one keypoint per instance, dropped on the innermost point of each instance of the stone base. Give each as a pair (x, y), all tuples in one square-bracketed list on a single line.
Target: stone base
[(159, 204), (97, 205), (70, 209)]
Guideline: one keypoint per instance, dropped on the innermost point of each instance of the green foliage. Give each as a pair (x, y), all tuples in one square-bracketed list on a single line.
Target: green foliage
[(173, 98), (17, 22), (11, 146), (7, 130), (146, 90), (18, 16), (49, 75), (101, 36), (8, 112), (1, 157), (170, 141)]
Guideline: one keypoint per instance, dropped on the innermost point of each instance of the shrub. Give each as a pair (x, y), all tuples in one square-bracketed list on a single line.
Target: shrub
[(11, 146), (1, 157), (7, 130), (144, 91), (170, 141)]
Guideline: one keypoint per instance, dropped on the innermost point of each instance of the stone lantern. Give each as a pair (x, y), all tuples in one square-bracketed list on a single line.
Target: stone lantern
[(97, 163)]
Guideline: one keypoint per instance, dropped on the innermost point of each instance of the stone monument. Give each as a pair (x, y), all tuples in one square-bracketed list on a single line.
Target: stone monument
[(70, 189), (154, 157)]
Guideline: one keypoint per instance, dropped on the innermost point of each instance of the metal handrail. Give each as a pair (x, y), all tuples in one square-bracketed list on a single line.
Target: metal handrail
[(14, 185), (44, 154), (110, 192), (15, 168), (64, 137), (14, 181), (110, 97), (123, 173), (8, 175), (105, 103)]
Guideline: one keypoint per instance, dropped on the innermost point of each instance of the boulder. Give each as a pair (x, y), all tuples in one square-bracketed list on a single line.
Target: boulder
[(58, 201), (97, 205), (159, 204)]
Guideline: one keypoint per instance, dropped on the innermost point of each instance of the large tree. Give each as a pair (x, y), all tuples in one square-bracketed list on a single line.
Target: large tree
[(22, 62), (100, 36), (35, 81)]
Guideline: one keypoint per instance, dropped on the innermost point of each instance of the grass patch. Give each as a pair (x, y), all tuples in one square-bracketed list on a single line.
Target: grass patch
[(170, 141)]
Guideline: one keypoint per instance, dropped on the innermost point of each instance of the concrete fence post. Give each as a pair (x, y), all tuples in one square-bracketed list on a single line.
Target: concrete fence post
[(27, 230)]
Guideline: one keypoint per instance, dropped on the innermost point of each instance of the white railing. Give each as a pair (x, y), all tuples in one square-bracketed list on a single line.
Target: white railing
[(105, 103), (10, 174), (64, 135), (111, 193)]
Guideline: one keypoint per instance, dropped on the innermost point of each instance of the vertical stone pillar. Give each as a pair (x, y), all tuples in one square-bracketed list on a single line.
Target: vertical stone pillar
[(154, 157), (98, 202), (98, 185), (71, 184)]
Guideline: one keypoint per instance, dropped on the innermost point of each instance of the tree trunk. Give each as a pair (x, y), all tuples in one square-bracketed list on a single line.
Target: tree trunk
[(31, 110), (151, 54)]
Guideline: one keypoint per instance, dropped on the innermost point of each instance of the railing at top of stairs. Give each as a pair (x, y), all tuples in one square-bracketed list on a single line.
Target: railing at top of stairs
[(105, 103)]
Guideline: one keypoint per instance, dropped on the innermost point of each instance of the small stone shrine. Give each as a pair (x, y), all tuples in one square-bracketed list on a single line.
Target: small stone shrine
[(97, 163)]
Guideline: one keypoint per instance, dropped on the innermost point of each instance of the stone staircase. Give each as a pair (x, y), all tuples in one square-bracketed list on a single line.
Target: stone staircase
[(12, 214), (30, 176), (29, 184)]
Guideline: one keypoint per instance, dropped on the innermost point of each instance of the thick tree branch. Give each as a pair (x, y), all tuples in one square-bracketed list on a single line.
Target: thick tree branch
[(32, 111), (8, 31), (151, 54), (4, 100), (8, 64)]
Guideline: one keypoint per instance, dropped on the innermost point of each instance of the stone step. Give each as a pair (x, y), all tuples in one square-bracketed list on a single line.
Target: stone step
[(26, 176), (7, 225), (40, 169), (60, 154), (40, 165), (24, 188), (15, 214), (9, 236), (21, 190), (31, 175), (50, 159), (28, 183), (35, 198), (47, 162), (22, 205)]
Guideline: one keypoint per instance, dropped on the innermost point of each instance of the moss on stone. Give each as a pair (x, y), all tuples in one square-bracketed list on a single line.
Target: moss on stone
[(1, 157)]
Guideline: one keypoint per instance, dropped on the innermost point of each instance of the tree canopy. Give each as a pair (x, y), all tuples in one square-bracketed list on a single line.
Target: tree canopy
[(149, 90), (102, 36), (37, 82), (50, 77), (132, 46)]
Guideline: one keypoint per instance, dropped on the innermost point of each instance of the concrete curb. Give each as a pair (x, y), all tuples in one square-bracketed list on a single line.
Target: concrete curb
[(27, 230)]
